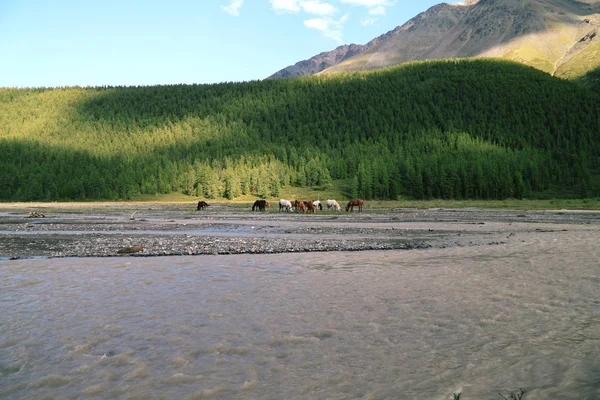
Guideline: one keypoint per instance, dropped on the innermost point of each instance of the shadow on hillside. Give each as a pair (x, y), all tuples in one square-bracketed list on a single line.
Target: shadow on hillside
[(155, 106), (304, 112), (38, 171), (146, 106), (591, 80)]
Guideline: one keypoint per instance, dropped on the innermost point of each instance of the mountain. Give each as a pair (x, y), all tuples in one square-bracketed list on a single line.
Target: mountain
[(560, 37)]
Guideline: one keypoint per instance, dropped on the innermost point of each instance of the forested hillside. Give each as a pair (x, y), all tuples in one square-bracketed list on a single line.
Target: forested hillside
[(446, 129), (591, 80)]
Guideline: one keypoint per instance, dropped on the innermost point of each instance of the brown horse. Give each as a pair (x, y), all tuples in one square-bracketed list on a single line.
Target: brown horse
[(355, 202), (300, 206), (202, 204), (260, 205), (310, 206)]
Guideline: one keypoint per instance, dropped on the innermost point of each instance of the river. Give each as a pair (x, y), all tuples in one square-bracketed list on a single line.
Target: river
[(415, 324)]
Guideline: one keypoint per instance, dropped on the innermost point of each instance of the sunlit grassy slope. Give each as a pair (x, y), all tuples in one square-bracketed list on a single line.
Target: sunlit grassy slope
[(585, 61), (555, 36)]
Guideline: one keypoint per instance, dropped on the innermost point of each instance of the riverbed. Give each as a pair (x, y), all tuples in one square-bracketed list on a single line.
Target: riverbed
[(92, 230), (512, 302)]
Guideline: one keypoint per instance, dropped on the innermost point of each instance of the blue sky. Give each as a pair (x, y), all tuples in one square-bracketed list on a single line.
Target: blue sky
[(130, 42)]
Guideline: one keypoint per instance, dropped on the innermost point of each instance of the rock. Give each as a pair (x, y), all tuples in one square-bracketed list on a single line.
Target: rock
[(35, 214), (130, 250)]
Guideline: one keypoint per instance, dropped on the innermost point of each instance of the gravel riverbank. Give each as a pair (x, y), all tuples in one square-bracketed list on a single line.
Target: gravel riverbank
[(101, 229)]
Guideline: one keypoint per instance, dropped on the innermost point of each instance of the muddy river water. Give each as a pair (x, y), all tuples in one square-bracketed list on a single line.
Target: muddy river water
[(414, 324)]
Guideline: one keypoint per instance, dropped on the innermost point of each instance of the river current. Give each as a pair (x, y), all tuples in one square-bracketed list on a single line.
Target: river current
[(418, 324)]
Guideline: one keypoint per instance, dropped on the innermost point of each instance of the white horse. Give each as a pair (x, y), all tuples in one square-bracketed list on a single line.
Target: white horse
[(285, 205), (317, 204), (333, 204)]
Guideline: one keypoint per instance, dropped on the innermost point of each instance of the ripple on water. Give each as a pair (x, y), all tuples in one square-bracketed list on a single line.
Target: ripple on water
[(416, 323), (52, 380), (141, 371), (21, 284), (181, 379), (10, 368)]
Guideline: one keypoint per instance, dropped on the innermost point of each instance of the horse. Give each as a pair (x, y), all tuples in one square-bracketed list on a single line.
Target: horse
[(202, 204), (318, 204), (300, 206), (355, 202), (285, 205), (310, 205), (260, 205), (333, 204)]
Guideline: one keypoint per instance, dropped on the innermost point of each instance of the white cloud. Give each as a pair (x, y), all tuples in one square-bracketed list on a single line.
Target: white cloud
[(285, 6), (324, 23), (379, 10), (233, 8), (369, 3), (375, 7), (318, 8), (329, 27), (317, 23)]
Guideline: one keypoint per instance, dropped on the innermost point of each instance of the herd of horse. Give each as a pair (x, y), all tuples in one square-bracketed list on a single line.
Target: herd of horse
[(299, 205), (313, 205)]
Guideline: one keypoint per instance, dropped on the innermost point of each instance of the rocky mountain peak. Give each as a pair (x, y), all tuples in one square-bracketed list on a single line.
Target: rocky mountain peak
[(542, 33)]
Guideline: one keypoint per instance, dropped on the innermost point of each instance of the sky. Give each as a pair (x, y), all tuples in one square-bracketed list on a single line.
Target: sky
[(58, 43)]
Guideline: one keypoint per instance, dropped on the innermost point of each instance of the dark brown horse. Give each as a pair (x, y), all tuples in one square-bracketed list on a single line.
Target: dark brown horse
[(260, 205), (355, 202), (202, 204)]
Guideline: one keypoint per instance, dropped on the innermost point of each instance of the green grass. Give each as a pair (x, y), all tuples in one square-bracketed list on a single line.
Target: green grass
[(376, 206), (290, 193), (340, 191), (514, 204), (385, 205)]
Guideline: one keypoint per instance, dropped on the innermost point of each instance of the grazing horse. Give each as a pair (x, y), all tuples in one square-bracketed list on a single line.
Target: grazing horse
[(310, 206), (285, 205), (260, 205), (355, 202), (300, 206), (333, 204), (202, 204), (317, 203)]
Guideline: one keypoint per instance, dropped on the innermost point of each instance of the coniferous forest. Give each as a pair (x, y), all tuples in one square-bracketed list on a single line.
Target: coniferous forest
[(460, 129)]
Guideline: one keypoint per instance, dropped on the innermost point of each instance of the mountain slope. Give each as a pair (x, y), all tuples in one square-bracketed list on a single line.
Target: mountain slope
[(435, 129), (546, 34)]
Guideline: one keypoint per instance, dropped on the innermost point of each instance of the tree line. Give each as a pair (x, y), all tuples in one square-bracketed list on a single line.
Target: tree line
[(461, 129)]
